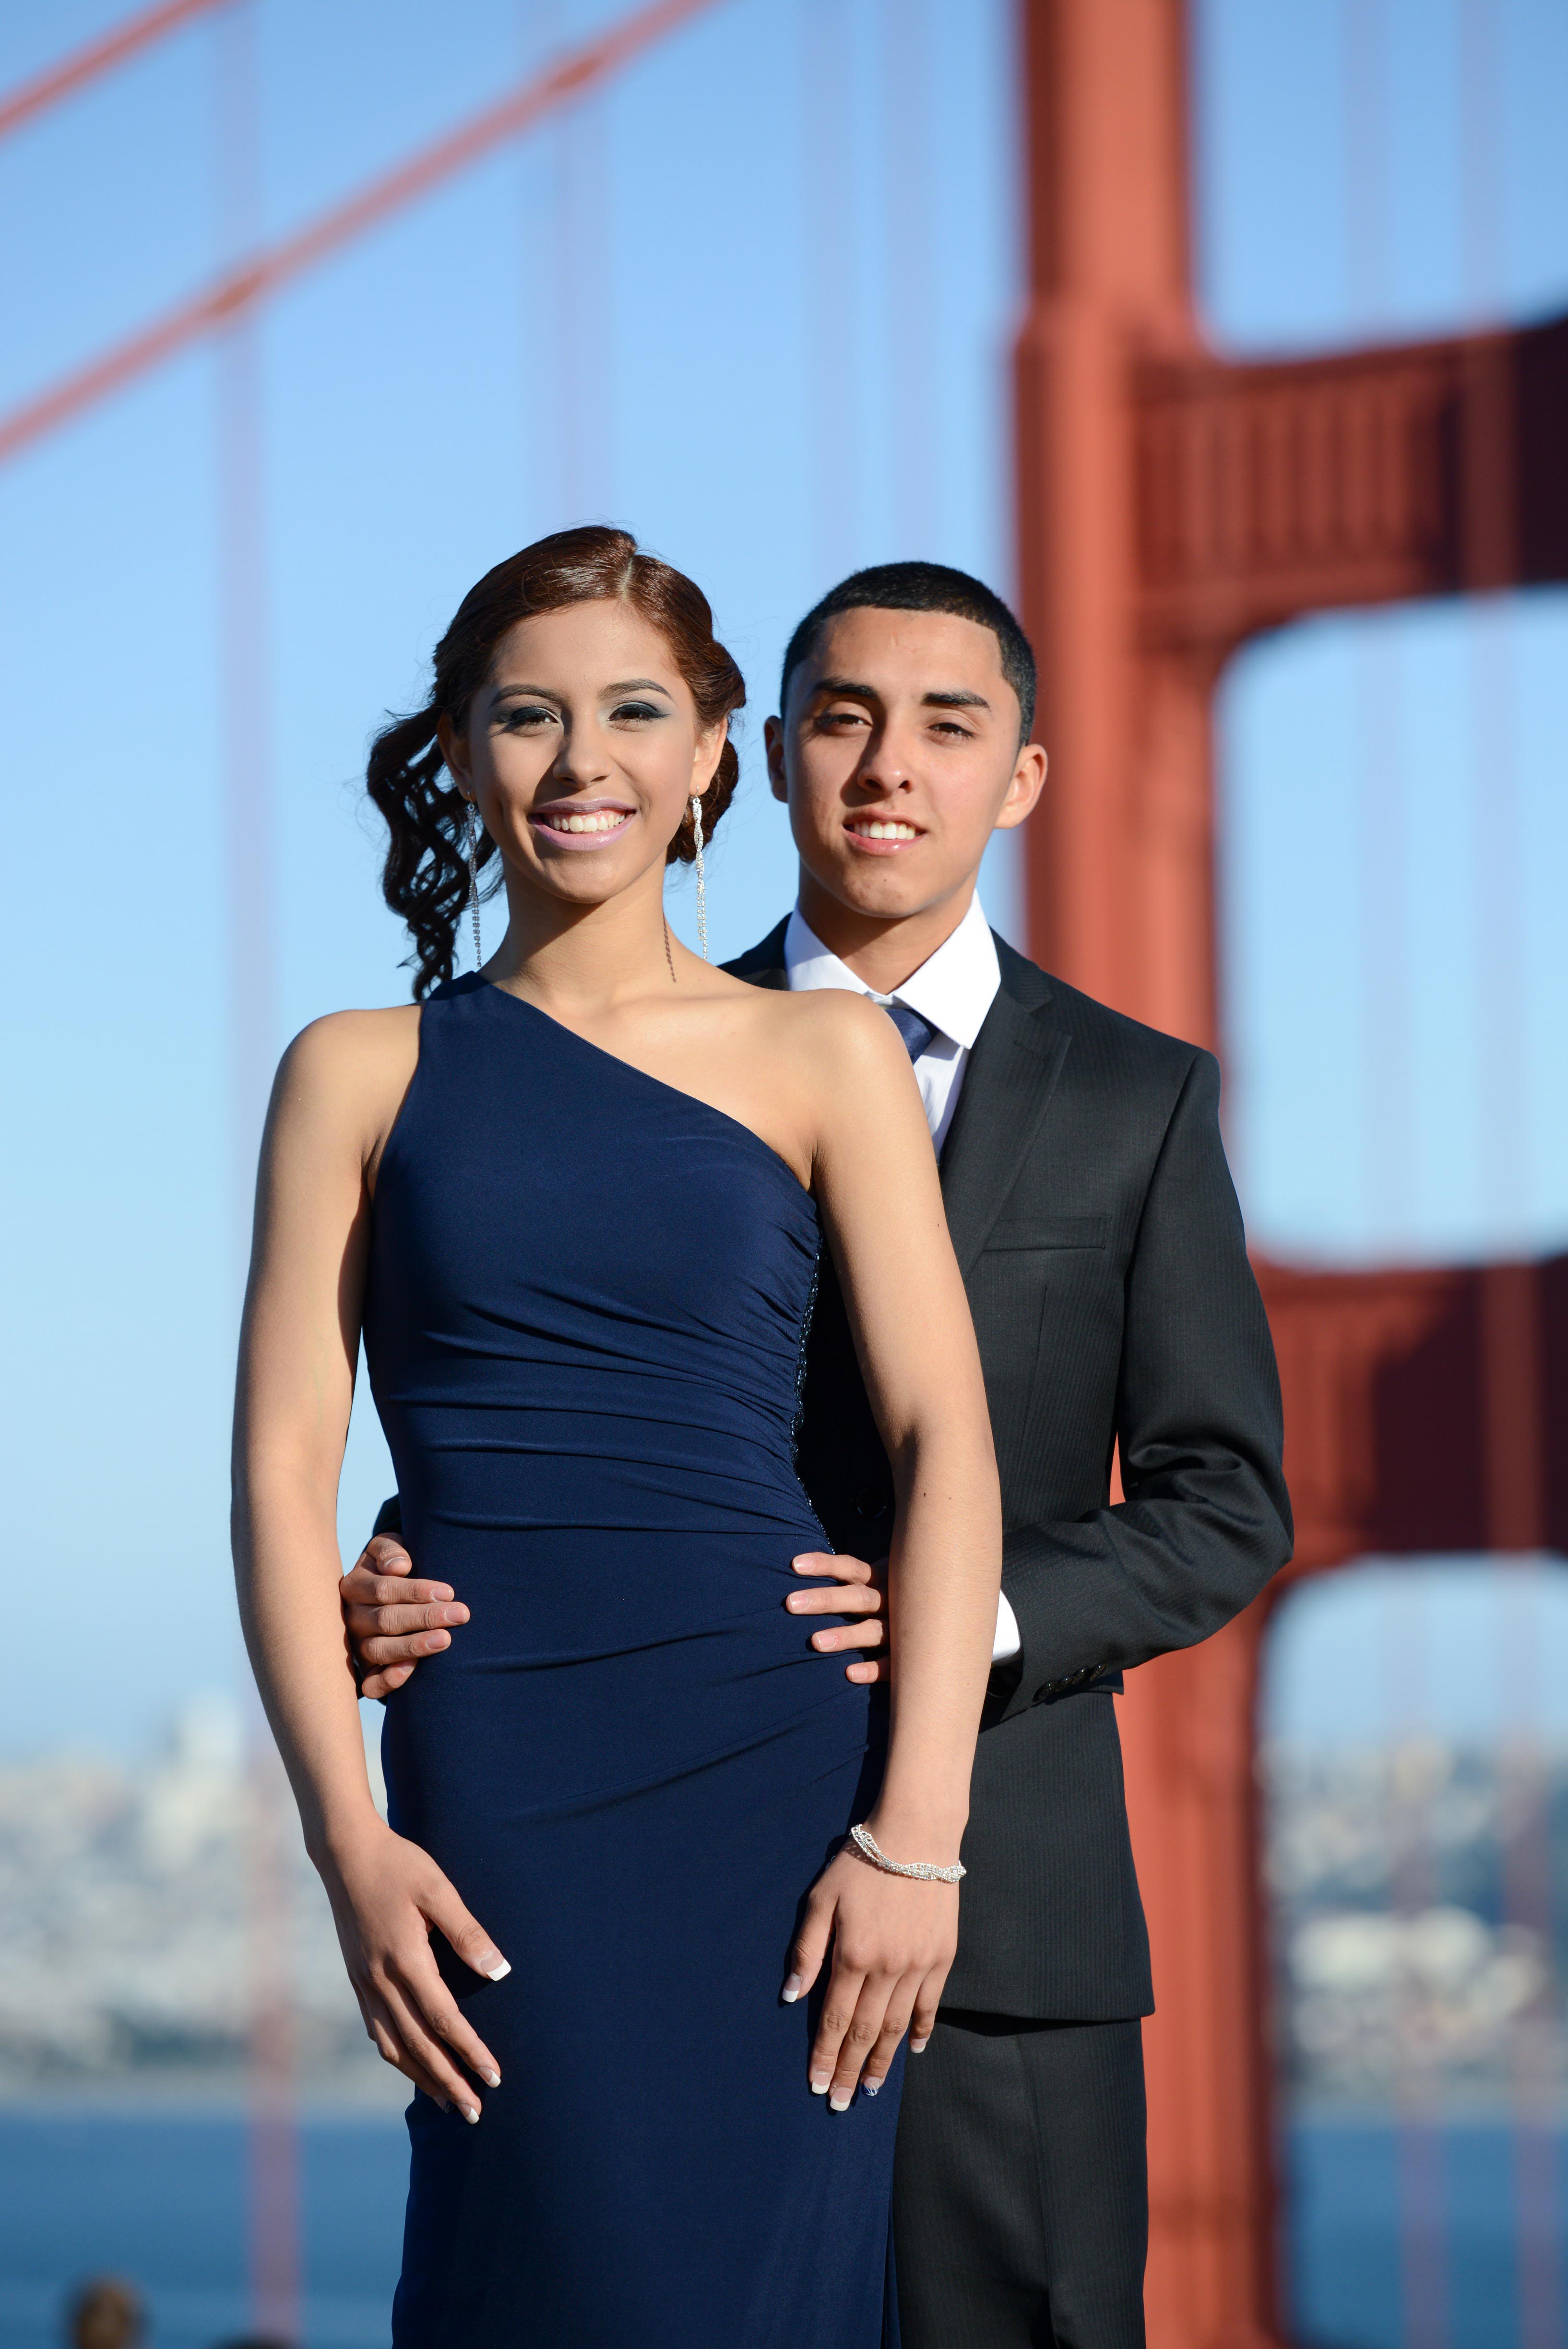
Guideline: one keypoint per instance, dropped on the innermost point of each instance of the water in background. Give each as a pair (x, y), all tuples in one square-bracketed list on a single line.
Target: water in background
[(161, 2197), (1342, 2243)]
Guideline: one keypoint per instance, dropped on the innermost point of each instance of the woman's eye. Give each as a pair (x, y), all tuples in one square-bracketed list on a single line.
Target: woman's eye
[(635, 710), (530, 715)]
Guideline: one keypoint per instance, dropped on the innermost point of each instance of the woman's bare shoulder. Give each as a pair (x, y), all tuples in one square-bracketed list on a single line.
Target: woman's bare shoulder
[(351, 1066), (848, 1031), (837, 1055)]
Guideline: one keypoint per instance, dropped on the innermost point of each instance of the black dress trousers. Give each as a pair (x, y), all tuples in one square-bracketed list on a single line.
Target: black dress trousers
[(1020, 2191)]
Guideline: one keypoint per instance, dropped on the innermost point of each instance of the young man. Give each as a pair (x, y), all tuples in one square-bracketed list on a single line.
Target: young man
[(1099, 1236)]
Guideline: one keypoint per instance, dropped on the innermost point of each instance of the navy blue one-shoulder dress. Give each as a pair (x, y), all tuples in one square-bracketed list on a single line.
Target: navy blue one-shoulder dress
[(584, 1318)]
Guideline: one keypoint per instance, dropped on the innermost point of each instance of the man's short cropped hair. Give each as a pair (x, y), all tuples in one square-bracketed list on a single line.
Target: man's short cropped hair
[(922, 587)]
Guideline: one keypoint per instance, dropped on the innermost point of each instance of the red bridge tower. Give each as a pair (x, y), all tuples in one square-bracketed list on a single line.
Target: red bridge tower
[(1171, 506)]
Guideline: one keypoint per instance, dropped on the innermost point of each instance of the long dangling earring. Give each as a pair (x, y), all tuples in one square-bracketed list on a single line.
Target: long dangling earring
[(470, 845), (701, 877)]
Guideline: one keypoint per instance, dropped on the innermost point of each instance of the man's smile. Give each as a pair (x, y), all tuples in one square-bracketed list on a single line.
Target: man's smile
[(882, 834)]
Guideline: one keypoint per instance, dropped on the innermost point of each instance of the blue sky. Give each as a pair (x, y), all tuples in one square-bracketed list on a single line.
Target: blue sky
[(1464, 1649), (774, 341)]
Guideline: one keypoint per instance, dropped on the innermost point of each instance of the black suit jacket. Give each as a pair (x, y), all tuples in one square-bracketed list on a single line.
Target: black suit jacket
[(1101, 1245)]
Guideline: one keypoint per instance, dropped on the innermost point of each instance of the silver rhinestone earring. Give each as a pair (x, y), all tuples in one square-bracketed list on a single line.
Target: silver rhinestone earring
[(471, 846), (701, 877)]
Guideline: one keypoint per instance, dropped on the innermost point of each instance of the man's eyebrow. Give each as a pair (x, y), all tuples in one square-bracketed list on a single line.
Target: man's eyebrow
[(945, 698)]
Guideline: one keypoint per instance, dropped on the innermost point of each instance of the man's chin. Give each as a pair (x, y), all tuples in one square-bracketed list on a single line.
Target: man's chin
[(885, 890)]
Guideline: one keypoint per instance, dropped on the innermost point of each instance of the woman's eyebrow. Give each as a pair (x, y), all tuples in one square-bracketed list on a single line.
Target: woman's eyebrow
[(546, 693)]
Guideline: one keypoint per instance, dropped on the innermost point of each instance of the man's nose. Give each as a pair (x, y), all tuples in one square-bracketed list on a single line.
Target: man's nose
[(886, 766)]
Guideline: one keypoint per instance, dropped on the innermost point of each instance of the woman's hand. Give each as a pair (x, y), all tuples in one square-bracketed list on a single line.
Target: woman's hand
[(386, 1895), (893, 1939)]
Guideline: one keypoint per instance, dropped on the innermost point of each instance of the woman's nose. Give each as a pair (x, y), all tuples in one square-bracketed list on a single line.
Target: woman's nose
[(582, 757)]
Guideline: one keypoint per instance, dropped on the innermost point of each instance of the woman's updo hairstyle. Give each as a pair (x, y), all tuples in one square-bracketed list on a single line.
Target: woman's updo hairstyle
[(426, 876)]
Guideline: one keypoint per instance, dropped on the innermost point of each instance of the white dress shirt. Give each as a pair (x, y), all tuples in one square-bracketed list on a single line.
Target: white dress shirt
[(953, 989)]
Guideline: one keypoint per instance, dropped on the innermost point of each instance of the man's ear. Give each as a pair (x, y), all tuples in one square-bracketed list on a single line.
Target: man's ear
[(774, 737), (1024, 789)]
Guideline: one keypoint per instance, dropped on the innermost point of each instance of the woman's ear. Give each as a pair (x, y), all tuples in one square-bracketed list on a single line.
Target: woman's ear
[(705, 761), (453, 748)]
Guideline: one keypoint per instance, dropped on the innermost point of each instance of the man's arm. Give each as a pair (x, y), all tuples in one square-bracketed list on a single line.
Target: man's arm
[(1206, 1519)]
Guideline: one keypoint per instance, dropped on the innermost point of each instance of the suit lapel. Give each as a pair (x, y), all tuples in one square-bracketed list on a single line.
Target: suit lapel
[(763, 964), (1008, 1083), (1007, 1087)]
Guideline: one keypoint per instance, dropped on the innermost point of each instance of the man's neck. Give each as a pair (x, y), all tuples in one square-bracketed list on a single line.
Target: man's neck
[(882, 951)]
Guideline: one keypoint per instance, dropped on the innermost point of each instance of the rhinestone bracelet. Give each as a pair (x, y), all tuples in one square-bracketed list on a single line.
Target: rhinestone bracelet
[(867, 1845)]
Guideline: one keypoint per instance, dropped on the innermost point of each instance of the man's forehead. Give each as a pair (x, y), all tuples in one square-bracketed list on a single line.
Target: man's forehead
[(906, 651)]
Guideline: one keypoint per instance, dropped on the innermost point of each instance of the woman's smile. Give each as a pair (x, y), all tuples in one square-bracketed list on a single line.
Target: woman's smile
[(582, 823)]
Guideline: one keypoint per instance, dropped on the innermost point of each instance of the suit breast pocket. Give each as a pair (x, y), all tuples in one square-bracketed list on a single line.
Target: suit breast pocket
[(1047, 1298), (1014, 1233)]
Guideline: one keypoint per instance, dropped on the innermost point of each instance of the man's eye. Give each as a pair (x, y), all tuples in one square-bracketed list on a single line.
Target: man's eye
[(842, 718), (951, 726)]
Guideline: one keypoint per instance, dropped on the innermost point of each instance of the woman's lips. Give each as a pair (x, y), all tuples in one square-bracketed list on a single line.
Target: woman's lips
[(580, 828)]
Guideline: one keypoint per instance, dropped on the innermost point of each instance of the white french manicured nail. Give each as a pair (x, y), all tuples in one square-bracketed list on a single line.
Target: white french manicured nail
[(820, 2083), (491, 2079), (791, 1989), (870, 2086), (918, 2046), (838, 2104), (498, 1971), (469, 2114)]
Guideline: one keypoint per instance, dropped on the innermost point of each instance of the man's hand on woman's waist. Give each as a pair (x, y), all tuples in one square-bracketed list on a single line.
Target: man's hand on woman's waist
[(394, 1620)]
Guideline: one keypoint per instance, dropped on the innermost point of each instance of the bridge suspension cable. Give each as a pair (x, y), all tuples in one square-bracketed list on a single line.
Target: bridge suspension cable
[(97, 57), (251, 281)]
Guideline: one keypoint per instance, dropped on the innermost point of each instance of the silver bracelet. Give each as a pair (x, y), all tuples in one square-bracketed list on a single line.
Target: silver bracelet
[(923, 1870)]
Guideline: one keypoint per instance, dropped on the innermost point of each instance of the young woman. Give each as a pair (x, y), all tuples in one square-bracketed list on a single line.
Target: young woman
[(649, 1987)]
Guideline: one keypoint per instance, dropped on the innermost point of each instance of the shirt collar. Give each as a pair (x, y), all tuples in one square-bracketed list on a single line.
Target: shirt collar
[(953, 988)]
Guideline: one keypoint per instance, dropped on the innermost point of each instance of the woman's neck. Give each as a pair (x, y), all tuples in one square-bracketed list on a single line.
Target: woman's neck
[(585, 957)]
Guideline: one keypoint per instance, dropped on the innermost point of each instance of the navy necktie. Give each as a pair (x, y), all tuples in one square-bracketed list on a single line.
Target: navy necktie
[(916, 1032)]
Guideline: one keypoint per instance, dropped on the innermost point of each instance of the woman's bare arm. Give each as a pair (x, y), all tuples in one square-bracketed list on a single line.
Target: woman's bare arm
[(876, 1179), (336, 1091)]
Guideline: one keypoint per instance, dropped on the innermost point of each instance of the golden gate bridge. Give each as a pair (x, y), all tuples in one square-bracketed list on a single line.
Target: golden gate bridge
[(1170, 506)]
